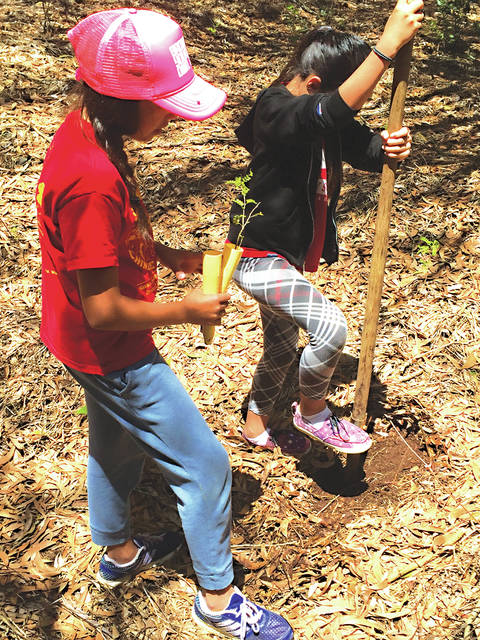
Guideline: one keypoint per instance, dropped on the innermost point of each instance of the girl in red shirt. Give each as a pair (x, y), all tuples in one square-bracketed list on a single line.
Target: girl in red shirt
[(99, 283)]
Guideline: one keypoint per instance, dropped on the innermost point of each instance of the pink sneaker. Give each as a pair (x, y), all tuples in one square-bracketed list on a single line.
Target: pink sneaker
[(337, 433), (290, 443)]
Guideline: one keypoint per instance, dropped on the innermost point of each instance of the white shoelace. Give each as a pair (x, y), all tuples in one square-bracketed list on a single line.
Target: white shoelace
[(250, 614), (228, 619)]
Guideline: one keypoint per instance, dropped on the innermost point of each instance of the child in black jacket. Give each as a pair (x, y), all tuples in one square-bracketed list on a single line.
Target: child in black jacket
[(299, 131)]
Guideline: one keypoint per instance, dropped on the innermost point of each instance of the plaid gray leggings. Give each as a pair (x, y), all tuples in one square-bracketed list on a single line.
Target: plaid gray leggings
[(288, 301)]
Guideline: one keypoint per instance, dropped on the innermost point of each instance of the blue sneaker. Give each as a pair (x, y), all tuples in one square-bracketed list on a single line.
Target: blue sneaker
[(151, 550), (244, 620)]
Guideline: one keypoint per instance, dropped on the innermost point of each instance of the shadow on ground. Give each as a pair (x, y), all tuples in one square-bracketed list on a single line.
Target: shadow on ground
[(368, 476)]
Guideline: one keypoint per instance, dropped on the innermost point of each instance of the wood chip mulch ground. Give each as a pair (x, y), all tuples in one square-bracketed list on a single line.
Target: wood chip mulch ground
[(393, 556)]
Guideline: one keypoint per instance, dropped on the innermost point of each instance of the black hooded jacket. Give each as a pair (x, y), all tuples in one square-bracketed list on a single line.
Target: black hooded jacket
[(284, 134)]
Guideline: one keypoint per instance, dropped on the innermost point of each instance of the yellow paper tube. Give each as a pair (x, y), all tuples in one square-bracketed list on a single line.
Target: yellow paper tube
[(227, 248), (231, 258), (212, 282)]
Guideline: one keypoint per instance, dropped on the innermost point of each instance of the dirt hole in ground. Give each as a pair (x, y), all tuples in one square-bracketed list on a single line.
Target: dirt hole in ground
[(381, 479)]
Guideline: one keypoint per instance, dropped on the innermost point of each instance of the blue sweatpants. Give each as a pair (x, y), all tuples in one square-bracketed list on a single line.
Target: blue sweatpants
[(144, 410)]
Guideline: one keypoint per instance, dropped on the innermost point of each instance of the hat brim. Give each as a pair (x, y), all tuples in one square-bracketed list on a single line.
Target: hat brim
[(197, 101)]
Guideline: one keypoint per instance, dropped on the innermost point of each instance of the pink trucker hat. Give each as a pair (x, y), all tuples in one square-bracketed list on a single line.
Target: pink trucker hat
[(138, 54)]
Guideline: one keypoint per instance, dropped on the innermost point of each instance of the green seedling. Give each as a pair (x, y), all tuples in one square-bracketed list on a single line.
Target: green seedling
[(449, 24), (427, 249), (292, 16), (244, 202)]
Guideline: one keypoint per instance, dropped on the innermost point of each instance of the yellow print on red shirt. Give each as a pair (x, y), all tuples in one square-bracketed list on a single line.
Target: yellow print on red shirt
[(40, 190), (39, 200), (141, 250)]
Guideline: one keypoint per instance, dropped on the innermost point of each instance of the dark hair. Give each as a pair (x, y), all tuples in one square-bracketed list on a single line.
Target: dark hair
[(330, 54), (333, 56), (112, 119)]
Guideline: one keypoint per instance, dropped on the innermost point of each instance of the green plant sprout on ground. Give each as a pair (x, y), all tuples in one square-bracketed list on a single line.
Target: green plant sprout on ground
[(292, 17), (427, 249), (213, 28), (449, 23), (243, 201)]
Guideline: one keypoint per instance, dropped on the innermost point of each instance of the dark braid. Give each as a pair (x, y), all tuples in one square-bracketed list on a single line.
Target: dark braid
[(112, 119)]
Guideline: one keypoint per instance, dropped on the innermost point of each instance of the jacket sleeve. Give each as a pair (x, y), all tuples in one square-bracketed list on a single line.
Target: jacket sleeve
[(361, 147), (283, 119)]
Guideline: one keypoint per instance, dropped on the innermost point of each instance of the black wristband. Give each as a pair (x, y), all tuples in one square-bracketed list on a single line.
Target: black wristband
[(381, 55)]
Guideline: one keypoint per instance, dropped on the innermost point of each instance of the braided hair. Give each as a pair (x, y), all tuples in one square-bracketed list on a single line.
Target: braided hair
[(112, 119)]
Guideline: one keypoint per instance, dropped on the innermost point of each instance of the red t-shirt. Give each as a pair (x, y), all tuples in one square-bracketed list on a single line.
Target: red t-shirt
[(315, 252), (85, 221)]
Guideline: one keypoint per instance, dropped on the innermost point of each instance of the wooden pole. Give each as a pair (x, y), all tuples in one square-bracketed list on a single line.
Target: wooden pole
[(380, 244)]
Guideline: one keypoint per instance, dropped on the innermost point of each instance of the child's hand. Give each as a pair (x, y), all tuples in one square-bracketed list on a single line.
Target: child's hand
[(179, 261), (201, 308), (403, 23), (397, 144)]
